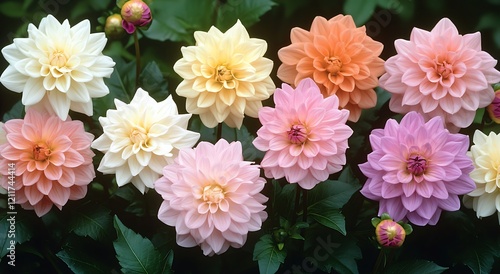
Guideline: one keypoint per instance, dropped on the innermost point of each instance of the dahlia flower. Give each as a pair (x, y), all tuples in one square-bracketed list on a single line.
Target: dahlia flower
[(485, 153), (212, 197), (52, 159), (142, 137), (440, 73), (417, 169), (225, 76), (304, 136), (58, 67), (339, 57)]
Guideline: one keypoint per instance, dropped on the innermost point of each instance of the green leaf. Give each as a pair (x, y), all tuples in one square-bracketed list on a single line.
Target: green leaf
[(361, 10), (93, 221), (247, 11), (135, 253), (152, 81), (414, 267), (13, 9), (75, 254), (329, 217), (22, 232), (250, 153), (331, 194), (343, 258), (16, 112), (131, 194), (481, 256), (177, 20), (268, 255)]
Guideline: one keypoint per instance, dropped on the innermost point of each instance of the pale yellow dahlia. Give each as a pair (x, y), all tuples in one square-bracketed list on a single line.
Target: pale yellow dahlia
[(225, 76), (485, 154)]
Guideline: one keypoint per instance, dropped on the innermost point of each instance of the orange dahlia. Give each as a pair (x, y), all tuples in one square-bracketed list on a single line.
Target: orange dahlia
[(339, 57)]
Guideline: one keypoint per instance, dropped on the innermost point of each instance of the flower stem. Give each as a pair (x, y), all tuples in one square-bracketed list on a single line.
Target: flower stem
[(378, 263), (137, 60), (304, 205), (219, 131)]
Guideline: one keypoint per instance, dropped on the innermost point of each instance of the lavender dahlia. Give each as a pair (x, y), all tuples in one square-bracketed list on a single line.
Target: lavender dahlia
[(417, 169)]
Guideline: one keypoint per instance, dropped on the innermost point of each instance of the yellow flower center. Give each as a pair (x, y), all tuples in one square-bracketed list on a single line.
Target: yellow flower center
[(139, 136), (333, 64), (58, 59), (213, 194), (41, 152), (223, 74)]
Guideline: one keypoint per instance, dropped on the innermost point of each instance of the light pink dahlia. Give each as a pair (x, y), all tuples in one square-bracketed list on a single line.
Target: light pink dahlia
[(304, 136), (441, 73), (212, 197), (53, 160), (417, 169)]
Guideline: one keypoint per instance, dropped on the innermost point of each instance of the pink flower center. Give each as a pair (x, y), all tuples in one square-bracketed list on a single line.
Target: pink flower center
[(297, 134), (416, 164), (223, 74), (41, 152), (213, 194), (333, 64), (444, 69)]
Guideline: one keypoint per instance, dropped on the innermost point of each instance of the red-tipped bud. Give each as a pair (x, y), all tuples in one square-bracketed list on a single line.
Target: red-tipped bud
[(135, 13), (390, 234), (494, 108)]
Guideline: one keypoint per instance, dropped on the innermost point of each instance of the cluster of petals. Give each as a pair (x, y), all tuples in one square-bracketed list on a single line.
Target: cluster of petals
[(225, 76), (52, 160), (417, 169), (485, 153), (494, 108), (212, 197), (441, 73), (58, 67), (142, 137), (341, 59), (304, 135)]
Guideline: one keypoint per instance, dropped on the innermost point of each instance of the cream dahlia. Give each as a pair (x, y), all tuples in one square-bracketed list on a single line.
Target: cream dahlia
[(339, 57), (52, 160), (212, 197), (58, 67), (225, 76), (485, 153), (304, 136), (142, 137), (441, 73)]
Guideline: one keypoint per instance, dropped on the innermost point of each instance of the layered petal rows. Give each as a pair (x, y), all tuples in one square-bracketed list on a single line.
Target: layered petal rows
[(304, 136), (441, 73), (225, 76), (58, 67), (417, 169), (142, 137), (52, 160), (212, 197)]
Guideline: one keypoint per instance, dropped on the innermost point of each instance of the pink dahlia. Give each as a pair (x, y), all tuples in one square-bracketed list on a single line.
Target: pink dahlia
[(417, 169), (441, 73), (304, 136), (212, 197), (339, 57), (52, 158)]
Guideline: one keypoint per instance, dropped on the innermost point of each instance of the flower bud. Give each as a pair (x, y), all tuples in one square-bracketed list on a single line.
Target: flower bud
[(113, 27), (390, 233), (135, 13), (494, 108)]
